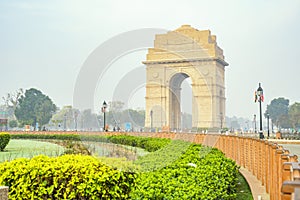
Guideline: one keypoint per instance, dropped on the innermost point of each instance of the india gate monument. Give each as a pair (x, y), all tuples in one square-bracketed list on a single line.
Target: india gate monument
[(177, 55)]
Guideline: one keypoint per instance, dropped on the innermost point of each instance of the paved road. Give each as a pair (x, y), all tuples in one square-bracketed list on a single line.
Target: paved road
[(293, 148)]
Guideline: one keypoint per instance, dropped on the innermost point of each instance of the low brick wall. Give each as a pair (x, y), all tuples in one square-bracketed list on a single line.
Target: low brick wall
[(3, 192)]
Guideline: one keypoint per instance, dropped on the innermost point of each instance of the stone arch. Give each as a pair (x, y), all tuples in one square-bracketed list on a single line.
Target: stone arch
[(175, 99), (185, 52)]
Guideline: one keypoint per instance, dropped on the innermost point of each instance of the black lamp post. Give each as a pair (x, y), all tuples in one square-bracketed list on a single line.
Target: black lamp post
[(268, 120), (151, 118), (260, 98), (104, 106), (254, 120)]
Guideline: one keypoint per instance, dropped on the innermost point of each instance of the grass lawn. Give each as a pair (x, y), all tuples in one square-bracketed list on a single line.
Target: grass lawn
[(29, 148), (243, 189), (114, 150)]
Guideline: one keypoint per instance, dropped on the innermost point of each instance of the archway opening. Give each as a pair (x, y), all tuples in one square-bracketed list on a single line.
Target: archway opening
[(186, 104), (181, 102)]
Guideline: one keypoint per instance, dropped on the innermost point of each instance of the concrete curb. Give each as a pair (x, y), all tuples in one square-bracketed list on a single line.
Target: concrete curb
[(257, 189)]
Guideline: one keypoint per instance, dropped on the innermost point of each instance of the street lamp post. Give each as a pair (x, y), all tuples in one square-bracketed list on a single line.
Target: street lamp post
[(268, 119), (260, 98), (254, 120), (104, 106)]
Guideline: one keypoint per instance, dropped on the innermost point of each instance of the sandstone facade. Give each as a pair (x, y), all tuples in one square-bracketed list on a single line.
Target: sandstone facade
[(176, 55)]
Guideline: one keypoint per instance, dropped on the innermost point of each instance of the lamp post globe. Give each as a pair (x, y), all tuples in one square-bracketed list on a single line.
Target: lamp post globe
[(104, 105)]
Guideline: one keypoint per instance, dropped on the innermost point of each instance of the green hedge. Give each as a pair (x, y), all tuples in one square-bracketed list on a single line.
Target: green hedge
[(147, 143), (199, 173), (65, 177), (73, 137), (4, 140), (163, 157)]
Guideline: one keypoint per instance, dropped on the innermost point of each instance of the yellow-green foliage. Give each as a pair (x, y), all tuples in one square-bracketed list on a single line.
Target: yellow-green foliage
[(4, 140), (120, 163), (64, 177), (198, 173)]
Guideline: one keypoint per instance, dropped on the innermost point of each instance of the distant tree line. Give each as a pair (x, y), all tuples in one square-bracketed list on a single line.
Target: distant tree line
[(32, 107), (282, 114), (117, 116)]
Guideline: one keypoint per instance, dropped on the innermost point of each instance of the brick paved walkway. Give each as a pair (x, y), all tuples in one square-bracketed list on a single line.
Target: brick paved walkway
[(258, 191)]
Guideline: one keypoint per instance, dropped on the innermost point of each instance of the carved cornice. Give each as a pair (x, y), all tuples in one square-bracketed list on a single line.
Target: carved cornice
[(153, 62)]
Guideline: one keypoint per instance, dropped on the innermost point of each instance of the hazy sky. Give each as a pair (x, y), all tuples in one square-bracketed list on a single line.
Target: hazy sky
[(43, 44)]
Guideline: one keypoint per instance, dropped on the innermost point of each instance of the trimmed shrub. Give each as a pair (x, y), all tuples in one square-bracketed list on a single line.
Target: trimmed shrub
[(65, 177), (72, 137), (4, 140), (199, 173), (120, 163), (147, 143), (163, 157)]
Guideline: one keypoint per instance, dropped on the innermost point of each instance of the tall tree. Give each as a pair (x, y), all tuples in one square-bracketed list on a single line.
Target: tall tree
[(117, 115), (7, 112), (115, 106), (13, 123), (89, 120), (294, 115), (33, 107), (72, 118), (11, 101), (136, 117), (63, 117), (278, 110), (114, 115)]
